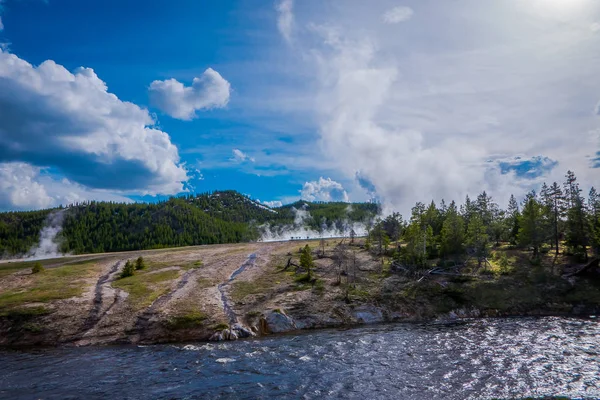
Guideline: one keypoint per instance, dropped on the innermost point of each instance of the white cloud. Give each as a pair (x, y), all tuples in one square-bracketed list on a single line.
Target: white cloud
[(397, 14), (240, 156), (273, 204), (597, 110), (208, 91), (595, 27), (1, 24), (25, 187), (417, 123), (285, 18), (50, 117), (323, 190)]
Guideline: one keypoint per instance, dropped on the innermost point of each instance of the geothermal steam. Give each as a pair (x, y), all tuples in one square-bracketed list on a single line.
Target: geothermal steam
[(48, 244), (301, 230)]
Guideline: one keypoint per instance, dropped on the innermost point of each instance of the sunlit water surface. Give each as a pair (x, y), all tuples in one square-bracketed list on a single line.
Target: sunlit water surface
[(478, 359)]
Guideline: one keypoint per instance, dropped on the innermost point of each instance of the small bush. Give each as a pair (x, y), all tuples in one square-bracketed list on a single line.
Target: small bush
[(253, 314), (220, 327), (128, 270), (504, 264), (304, 278), (139, 263), (319, 286), (188, 321), (536, 262), (37, 268)]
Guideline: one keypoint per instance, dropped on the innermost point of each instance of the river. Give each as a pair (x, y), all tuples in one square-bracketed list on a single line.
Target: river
[(501, 358)]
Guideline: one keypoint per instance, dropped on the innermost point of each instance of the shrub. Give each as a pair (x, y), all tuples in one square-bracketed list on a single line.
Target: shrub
[(221, 326), (37, 268), (187, 321), (504, 264), (139, 263), (128, 270)]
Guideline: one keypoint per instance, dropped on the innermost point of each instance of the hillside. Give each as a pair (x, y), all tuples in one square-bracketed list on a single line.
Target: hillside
[(208, 218), (222, 292)]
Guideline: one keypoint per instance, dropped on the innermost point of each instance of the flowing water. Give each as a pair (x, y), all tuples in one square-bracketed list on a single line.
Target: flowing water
[(494, 358)]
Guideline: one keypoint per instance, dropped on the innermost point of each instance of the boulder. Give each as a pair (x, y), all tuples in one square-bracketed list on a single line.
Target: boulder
[(277, 321), (367, 315)]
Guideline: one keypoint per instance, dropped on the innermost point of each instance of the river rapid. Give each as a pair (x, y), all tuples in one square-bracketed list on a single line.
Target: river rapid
[(488, 358)]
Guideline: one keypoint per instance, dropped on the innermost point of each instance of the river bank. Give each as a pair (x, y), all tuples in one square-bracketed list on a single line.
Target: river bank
[(226, 292), (481, 358)]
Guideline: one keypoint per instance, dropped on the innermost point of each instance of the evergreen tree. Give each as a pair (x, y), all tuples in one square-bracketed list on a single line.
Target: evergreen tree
[(467, 210), (139, 263), (306, 261), (555, 203), (512, 219), (531, 225), (392, 226), (576, 227), (594, 220), (452, 233), (128, 270), (477, 238)]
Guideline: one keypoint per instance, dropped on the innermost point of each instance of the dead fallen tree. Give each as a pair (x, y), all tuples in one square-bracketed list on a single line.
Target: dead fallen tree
[(591, 269)]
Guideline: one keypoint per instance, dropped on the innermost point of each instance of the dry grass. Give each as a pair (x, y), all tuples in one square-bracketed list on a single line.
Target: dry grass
[(52, 284), (145, 287)]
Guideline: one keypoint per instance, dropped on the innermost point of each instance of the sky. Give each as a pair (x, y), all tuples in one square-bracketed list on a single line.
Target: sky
[(283, 100)]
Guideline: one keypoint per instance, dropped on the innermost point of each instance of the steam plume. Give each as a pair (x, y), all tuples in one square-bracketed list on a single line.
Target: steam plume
[(48, 246)]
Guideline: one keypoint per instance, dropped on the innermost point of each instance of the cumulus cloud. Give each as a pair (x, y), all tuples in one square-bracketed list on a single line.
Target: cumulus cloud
[(50, 117), (208, 91), (323, 190), (407, 130), (240, 156), (25, 187), (397, 14), (285, 18)]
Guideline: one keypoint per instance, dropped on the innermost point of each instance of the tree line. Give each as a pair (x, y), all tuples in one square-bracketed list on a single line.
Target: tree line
[(558, 214), (206, 218)]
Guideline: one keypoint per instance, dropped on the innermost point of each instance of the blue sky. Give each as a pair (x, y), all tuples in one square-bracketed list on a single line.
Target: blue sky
[(282, 100)]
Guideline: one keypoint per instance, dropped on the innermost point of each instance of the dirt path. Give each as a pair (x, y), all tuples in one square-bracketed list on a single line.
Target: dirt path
[(143, 320), (96, 314), (231, 315)]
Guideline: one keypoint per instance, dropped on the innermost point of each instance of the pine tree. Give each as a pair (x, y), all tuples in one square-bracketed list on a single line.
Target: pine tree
[(531, 225), (556, 204), (452, 232), (576, 228), (512, 219), (128, 270), (306, 261), (477, 238), (594, 220), (139, 263)]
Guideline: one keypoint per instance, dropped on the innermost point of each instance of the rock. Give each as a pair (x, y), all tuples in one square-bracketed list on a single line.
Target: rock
[(367, 315), (242, 332), (277, 322)]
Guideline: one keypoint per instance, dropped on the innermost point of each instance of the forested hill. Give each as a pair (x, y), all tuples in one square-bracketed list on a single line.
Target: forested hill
[(209, 218)]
